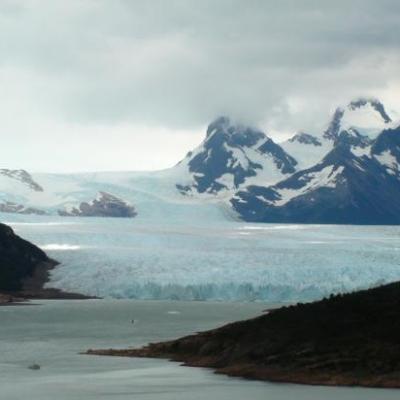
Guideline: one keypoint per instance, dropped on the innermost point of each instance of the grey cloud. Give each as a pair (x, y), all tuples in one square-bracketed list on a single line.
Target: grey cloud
[(177, 64)]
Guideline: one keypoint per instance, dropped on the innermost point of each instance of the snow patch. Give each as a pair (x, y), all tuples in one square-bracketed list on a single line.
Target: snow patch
[(305, 154), (359, 151), (387, 159), (365, 119), (324, 178)]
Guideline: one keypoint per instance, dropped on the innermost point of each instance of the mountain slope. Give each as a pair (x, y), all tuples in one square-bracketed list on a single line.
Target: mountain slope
[(307, 149), (386, 149), (355, 183)]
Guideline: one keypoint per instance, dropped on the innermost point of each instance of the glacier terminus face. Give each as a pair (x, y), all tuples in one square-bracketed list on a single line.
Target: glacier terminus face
[(208, 258)]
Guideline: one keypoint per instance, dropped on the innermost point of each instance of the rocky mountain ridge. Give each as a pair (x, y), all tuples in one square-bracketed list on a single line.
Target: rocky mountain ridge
[(356, 182)]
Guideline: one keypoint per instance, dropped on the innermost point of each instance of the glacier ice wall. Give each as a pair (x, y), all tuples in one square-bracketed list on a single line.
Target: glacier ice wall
[(216, 259)]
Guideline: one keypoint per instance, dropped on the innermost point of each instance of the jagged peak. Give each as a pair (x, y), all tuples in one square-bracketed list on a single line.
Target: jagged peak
[(333, 129), (362, 114), (374, 103)]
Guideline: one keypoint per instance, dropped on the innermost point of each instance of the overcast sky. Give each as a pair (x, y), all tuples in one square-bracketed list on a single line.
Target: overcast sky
[(127, 85)]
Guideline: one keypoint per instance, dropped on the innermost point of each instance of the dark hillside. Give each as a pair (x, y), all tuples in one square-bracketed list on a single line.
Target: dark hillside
[(351, 339)]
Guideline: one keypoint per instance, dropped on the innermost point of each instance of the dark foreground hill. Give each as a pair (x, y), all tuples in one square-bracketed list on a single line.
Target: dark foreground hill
[(24, 269), (351, 339), (19, 260)]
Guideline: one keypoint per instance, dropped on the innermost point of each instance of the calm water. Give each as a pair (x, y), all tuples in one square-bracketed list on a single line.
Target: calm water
[(52, 334)]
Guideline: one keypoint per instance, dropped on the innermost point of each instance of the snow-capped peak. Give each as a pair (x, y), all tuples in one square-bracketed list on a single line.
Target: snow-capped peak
[(374, 103), (367, 116), (230, 155)]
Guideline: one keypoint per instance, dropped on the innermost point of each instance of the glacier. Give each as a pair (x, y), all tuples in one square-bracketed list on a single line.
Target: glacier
[(187, 242), (206, 256)]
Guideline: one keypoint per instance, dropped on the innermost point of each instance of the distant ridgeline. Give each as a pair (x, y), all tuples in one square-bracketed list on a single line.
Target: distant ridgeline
[(346, 174)]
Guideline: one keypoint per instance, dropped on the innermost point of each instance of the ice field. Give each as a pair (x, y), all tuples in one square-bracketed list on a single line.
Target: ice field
[(211, 258)]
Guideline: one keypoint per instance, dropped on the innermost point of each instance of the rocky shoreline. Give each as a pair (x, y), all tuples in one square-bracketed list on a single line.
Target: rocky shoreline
[(346, 340)]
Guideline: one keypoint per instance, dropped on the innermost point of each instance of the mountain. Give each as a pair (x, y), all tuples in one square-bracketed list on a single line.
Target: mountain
[(346, 340), (366, 116), (346, 173), (356, 182), (342, 188), (363, 117), (230, 156)]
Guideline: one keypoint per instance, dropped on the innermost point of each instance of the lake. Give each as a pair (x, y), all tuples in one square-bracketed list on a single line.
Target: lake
[(54, 332)]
